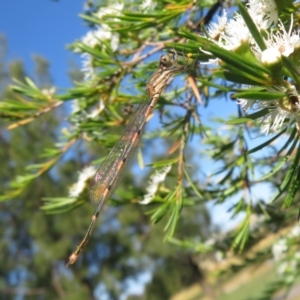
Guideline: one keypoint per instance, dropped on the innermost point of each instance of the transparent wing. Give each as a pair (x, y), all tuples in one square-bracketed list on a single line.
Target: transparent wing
[(119, 158)]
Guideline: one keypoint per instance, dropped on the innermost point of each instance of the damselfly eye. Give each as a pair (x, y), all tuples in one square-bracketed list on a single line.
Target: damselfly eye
[(165, 61)]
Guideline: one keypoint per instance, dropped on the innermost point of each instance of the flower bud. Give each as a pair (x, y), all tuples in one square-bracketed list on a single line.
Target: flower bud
[(271, 58)]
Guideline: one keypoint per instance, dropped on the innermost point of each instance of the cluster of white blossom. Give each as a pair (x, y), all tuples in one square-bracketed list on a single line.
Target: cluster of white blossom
[(83, 114), (104, 33), (233, 34), (288, 262), (77, 188), (157, 178)]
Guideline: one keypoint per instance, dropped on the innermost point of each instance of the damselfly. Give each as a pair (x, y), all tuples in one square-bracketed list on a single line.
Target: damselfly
[(112, 169)]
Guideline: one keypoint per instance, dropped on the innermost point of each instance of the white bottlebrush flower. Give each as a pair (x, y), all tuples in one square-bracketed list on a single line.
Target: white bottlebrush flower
[(114, 42), (87, 66), (233, 33), (263, 12), (49, 92), (87, 173), (284, 111), (236, 33), (229, 34), (113, 9), (212, 61), (246, 104), (157, 178), (216, 29), (95, 38), (148, 5), (75, 106), (266, 125), (283, 41), (274, 120), (77, 188), (279, 248), (278, 114), (288, 270), (95, 112), (295, 232), (270, 57), (90, 39)]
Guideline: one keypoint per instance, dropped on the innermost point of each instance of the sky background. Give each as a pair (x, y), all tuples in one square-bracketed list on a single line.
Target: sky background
[(45, 28)]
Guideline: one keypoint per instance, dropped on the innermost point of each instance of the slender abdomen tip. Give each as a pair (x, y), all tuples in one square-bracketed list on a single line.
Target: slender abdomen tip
[(72, 259)]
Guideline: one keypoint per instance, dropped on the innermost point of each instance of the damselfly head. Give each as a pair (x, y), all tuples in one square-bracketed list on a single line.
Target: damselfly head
[(165, 61)]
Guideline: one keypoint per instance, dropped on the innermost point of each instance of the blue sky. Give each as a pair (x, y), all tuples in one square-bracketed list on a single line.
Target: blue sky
[(43, 27)]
